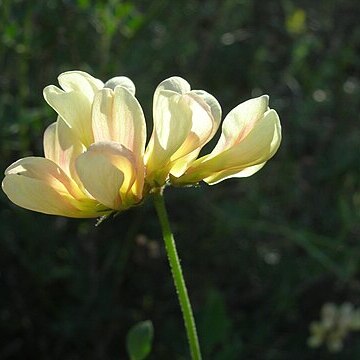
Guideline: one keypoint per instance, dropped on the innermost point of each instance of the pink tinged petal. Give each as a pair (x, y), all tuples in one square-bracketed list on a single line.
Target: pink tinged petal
[(75, 108), (122, 81), (47, 171), (40, 185), (242, 159), (80, 81), (117, 116), (62, 147), (108, 172), (184, 121), (206, 117), (240, 121)]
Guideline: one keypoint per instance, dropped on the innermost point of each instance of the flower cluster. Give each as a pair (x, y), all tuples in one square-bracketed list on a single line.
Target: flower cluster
[(96, 159), (335, 325)]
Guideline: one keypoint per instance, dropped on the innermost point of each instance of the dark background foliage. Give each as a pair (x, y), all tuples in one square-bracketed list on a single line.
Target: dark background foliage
[(261, 255)]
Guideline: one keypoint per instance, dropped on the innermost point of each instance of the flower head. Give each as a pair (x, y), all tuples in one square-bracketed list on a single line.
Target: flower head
[(95, 160), (251, 135)]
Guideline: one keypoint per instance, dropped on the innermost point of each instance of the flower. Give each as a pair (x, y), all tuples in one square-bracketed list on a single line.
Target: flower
[(251, 135), (95, 159), (184, 121)]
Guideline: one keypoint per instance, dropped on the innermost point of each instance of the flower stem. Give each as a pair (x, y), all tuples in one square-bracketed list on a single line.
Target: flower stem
[(178, 277)]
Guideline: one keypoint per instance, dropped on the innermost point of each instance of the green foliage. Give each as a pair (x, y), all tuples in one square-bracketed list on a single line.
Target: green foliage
[(218, 337), (276, 246), (139, 340)]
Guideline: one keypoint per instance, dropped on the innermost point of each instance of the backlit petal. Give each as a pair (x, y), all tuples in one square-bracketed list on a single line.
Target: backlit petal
[(206, 117), (108, 172), (175, 84), (62, 147), (240, 121), (118, 116), (75, 108), (81, 82), (172, 124), (122, 81), (40, 185), (46, 171), (259, 145), (233, 173)]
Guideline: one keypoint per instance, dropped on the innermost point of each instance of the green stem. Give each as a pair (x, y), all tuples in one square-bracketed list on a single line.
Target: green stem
[(178, 277)]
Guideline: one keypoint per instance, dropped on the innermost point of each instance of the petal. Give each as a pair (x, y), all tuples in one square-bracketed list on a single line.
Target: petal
[(122, 81), (75, 108), (206, 117), (175, 84), (233, 173), (117, 116), (40, 185), (172, 124), (239, 122), (184, 121), (62, 147), (81, 82), (260, 144), (45, 170), (108, 172)]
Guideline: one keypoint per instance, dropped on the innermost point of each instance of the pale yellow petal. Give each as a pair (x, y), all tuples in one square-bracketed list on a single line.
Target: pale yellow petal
[(108, 172), (175, 84), (233, 173), (259, 145), (172, 125), (75, 108), (206, 117), (122, 81), (117, 116), (34, 194), (102, 116), (62, 147), (46, 171), (240, 121), (80, 81), (184, 121), (40, 185)]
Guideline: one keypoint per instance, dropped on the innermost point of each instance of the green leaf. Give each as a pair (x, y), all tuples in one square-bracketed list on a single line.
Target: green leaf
[(139, 340), (215, 325)]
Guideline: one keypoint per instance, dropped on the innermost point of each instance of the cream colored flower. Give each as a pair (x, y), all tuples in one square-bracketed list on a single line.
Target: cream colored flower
[(251, 135), (93, 161), (184, 121)]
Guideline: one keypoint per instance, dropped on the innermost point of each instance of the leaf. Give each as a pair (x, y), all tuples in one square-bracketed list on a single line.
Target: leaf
[(215, 325), (139, 340)]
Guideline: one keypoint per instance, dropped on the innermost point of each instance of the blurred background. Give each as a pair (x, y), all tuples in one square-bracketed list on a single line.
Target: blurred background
[(261, 255)]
